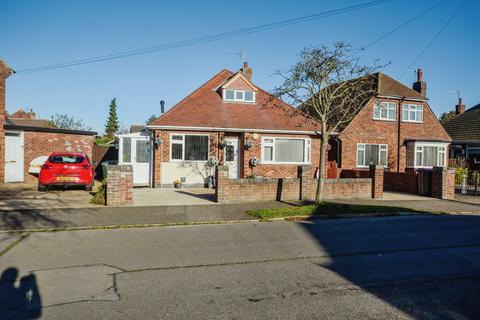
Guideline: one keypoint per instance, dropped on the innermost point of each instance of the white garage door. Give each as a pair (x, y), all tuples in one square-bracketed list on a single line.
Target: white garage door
[(13, 156)]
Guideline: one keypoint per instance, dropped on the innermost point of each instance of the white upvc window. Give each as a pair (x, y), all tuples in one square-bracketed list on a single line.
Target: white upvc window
[(427, 155), (238, 95), (189, 147), (412, 113), (385, 111), (372, 154), (286, 150)]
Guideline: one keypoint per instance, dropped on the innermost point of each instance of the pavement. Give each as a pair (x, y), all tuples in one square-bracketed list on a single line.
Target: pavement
[(412, 267)]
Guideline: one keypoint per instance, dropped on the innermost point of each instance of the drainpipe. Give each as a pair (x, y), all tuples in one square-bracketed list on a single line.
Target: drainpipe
[(399, 121)]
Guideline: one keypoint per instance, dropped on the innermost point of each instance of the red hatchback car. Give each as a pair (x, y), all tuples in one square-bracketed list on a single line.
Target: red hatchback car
[(66, 169)]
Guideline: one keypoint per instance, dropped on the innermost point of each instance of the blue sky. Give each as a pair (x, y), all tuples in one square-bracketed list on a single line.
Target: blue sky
[(37, 33)]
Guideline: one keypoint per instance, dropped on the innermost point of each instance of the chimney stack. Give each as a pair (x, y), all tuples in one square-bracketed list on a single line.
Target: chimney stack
[(162, 106), (420, 86), (460, 107), (246, 71)]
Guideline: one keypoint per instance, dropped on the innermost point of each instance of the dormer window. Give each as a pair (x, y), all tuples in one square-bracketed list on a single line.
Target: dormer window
[(238, 95)]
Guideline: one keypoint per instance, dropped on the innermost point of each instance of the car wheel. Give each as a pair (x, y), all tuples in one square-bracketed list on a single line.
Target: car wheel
[(89, 187), (42, 188)]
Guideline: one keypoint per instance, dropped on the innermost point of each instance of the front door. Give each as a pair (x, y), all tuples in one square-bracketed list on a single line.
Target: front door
[(13, 156), (136, 151), (232, 155)]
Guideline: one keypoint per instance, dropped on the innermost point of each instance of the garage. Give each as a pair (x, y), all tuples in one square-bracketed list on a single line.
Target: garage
[(29, 141)]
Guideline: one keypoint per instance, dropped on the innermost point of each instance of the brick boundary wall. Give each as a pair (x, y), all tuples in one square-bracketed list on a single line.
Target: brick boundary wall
[(443, 183), (119, 185), (301, 188)]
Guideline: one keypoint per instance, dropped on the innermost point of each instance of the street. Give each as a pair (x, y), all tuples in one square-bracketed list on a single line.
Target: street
[(412, 267)]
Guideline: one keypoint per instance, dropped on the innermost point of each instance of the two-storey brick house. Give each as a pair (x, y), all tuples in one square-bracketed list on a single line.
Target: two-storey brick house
[(396, 129)]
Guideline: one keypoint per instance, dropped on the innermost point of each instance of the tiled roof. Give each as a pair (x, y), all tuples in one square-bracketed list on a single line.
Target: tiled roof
[(21, 122), (465, 127), (206, 108), (387, 86)]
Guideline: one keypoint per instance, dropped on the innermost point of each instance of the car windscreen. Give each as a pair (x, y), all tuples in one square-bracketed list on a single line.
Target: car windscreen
[(66, 159)]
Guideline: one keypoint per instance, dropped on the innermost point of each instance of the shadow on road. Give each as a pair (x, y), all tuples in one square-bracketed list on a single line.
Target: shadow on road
[(19, 301), (426, 268)]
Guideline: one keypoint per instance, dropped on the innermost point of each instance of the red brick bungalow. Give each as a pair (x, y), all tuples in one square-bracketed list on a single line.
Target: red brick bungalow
[(24, 140), (396, 129), (231, 119)]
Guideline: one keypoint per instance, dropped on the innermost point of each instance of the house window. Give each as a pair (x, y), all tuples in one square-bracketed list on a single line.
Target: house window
[(126, 150), (385, 111), (428, 155), (238, 95), (412, 113), (185, 147), (372, 154), (286, 150)]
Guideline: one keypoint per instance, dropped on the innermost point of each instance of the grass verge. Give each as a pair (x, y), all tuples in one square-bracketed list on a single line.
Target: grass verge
[(324, 209)]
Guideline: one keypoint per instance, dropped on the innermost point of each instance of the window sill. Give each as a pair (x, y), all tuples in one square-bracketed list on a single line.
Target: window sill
[(410, 121), (296, 163), (188, 161), (386, 120)]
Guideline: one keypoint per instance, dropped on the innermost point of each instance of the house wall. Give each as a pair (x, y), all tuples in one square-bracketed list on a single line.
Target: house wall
[(166, 171), (364, 129), (38, 144)]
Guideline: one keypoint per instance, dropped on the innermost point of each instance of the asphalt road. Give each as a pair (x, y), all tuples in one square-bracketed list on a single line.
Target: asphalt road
[(421, 267)]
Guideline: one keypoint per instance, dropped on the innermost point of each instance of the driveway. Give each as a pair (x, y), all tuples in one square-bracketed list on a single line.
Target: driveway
[(24, 196), (417, 267), (144, 197)]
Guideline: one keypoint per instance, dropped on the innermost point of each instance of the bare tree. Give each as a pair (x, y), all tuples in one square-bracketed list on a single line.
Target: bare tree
[(330, 85), (64, 121)]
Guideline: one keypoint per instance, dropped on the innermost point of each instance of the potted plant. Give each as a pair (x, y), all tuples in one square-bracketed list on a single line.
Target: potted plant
[(177, 184), (253, 163)]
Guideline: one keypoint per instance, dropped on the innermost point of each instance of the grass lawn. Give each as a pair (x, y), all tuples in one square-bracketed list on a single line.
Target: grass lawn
[(324, 209)]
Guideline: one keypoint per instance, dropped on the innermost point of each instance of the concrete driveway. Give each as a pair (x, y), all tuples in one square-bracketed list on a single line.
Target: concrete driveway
[(24, 196), (144, 197)]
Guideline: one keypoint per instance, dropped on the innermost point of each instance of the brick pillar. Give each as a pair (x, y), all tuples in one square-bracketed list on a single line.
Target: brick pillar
[(221, 184), (5, 72), (376, 173), (119, 185), (158, 158), (443, 183), (126, 176), (307, 183)]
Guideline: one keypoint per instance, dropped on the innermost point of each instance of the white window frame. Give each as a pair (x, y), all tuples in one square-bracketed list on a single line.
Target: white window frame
[(409, 107), (379, 151), (307, 151), (390, 105), (182, 142), (235, 96), (438, 145)]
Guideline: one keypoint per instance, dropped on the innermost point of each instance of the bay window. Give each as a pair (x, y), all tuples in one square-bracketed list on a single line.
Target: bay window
[(286, 150), (385, 111), (426, 155), (372, 154), (412, 113), (184, 147)]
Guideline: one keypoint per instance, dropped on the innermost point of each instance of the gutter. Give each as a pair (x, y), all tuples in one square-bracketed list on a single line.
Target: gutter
[(51, 130), (216, 129)]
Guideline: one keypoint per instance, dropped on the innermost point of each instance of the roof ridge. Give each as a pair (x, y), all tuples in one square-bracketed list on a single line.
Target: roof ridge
[(404, 85)]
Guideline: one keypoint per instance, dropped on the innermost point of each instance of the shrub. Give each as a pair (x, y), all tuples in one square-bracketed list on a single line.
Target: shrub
[(101, 194), (460, 175)]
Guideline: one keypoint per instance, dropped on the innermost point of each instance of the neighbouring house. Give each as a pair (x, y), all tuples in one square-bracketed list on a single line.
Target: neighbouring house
[(228, 120), (396, 129), (26, 141), (464, 129)]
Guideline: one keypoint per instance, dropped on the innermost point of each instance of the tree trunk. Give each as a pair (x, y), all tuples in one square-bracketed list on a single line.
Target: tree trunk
[(321, 167)]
